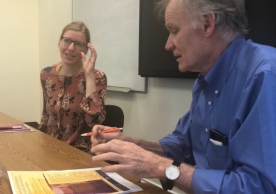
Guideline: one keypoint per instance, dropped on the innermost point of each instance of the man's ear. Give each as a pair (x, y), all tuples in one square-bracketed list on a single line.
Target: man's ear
[(209, 21)]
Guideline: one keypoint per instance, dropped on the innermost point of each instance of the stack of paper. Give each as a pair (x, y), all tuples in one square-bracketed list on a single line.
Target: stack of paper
[(83, 181)]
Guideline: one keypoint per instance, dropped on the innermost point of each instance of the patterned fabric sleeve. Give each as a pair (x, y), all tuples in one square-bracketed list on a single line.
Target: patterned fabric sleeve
[(93, 106), (44, 119)]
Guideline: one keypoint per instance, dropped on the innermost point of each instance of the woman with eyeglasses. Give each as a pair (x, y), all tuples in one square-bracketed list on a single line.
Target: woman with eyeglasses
[(73, 90)]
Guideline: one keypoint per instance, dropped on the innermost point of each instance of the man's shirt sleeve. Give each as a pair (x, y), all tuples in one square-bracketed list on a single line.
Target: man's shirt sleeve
[(177, 145)]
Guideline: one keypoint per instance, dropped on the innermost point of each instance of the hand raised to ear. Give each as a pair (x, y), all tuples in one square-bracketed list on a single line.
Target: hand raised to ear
[(89, 65)]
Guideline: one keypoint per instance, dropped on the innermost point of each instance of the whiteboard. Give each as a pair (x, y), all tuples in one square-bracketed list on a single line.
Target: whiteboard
[(114, 31)]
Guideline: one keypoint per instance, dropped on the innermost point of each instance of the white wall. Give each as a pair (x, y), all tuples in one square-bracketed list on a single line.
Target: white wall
[(149, 115), (19, 95), (53, 16), (154, 114)]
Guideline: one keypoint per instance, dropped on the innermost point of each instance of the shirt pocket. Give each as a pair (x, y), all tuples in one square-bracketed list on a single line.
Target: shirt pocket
[(218, 156)]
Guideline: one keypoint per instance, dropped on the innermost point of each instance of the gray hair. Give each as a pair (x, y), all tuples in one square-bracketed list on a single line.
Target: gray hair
[(230, 15)]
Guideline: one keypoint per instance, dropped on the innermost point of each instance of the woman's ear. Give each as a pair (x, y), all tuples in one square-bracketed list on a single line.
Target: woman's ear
[(209, 23), (86, 50)]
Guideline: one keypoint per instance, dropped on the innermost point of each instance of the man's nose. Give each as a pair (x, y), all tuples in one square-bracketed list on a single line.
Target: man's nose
[(169, 45)]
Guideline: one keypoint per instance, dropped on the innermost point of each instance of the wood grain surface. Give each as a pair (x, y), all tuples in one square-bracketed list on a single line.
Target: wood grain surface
[(36, 151)]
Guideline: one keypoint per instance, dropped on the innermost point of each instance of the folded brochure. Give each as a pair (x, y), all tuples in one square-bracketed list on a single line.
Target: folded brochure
[(78, 181), (14, 127)]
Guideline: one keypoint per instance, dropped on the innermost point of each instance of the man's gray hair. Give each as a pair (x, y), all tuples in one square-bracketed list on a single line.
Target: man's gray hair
[(230, 14)]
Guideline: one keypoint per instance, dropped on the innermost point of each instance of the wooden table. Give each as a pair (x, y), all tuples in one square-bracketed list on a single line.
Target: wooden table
[(36, 151)]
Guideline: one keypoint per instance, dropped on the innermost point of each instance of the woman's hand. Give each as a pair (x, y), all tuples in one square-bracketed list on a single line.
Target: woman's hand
[(88, 68), (89, 65)]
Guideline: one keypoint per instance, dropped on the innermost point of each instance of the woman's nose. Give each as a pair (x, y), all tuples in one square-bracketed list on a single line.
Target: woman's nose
[(71, 46)]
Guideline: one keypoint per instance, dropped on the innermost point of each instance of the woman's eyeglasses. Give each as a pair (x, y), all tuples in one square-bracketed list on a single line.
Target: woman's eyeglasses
[(67, 41)]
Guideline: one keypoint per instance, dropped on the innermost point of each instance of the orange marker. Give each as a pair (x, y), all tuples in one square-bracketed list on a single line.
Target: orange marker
[(109, 130)]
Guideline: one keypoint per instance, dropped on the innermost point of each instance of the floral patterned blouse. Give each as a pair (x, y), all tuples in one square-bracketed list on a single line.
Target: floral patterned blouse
[(65, 107)]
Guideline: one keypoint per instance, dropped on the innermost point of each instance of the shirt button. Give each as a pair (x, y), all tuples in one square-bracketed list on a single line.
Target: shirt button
[(206, 130), (206, 155), (210, 103), (216, 92)]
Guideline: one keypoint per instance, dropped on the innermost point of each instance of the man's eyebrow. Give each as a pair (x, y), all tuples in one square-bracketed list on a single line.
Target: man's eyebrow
[(169, 26)]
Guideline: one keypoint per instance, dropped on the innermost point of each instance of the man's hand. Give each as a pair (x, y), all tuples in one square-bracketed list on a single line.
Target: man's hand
[(98, 137), (132, 159)]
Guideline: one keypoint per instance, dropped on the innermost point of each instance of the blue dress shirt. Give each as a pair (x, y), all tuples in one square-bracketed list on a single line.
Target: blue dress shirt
[(237, 98)]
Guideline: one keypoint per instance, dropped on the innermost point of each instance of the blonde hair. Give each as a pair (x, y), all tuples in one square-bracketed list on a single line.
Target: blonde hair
[(79, 27)]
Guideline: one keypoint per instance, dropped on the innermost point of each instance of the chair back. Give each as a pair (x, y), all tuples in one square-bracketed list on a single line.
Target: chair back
[(114, 116), (32, 124)]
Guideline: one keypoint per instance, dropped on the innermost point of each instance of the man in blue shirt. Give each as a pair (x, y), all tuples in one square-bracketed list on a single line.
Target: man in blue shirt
[(226, 141)]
